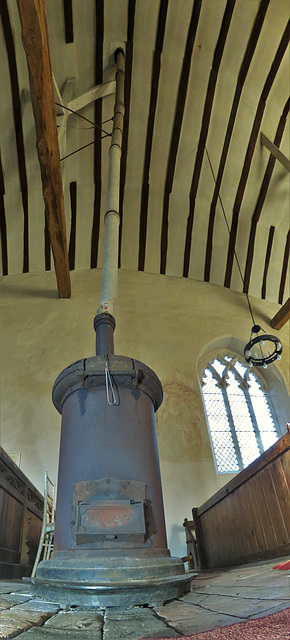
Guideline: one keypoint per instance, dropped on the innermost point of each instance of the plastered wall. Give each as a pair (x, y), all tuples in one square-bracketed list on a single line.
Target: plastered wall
[(163, 321)]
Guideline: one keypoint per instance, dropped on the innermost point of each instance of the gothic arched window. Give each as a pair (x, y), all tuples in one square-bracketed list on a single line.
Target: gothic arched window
[(239, 416)]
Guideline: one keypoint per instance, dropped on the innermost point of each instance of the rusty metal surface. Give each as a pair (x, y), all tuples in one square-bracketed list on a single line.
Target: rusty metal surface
[(109, 514), (99, 440), (90, 372), (104, 325), (110, 540), (111, 581), (110, 523), (68, 594), (125, 595), (108, 489)]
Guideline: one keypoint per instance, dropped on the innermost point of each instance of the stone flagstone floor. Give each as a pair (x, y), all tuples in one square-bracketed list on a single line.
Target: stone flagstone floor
[(218, 598)]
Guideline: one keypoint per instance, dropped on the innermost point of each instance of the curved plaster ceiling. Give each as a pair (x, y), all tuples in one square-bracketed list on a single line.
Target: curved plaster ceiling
[(204, 79)]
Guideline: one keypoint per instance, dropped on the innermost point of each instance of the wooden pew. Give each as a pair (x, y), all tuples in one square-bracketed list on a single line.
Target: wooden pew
[(21, 510), (249, 518)]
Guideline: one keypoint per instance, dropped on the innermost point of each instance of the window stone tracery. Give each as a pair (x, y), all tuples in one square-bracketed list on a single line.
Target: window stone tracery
[(240, 420)]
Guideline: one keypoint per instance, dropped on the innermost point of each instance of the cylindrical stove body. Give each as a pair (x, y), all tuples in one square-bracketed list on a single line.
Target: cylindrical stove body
[(100, 440), (110, 541)]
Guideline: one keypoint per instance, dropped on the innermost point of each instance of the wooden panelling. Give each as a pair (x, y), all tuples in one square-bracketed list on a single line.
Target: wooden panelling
[(21, 507), (237, 545), (272, 495), (255, 514), (30, 537), (249, 518), (34, 530), (11, 512), (9, 556), (275, 451), (280, 472)]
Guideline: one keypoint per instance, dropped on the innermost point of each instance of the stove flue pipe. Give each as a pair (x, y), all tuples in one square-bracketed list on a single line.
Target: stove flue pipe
[(104, 322), (112, 216)]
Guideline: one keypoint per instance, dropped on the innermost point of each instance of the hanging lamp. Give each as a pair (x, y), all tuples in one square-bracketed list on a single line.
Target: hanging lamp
[(262, 349)]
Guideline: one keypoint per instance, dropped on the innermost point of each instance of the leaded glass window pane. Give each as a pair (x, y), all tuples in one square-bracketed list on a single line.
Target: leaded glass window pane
[(242, 421), (238, 413), (224, 450), (221, 436), (264, 419)]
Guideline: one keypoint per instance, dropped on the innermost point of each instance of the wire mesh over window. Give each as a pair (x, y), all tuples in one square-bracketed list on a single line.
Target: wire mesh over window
[(239, 417), (219, 425), (263, 414)]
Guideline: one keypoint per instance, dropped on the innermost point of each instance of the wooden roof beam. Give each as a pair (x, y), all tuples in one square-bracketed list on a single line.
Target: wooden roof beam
[(99, 91), (275, 151), (281, 316), (36, 46)]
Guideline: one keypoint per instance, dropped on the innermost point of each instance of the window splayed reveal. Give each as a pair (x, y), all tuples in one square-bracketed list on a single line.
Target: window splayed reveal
[(239, 416)]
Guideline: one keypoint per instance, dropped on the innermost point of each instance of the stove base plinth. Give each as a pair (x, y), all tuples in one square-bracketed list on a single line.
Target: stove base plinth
[(111, 582)]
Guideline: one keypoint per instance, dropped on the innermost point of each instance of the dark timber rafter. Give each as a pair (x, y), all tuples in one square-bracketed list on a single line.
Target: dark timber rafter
[(284, 269), (3, 227), (10, 47), (97, 133), (250, 151), (275, 151), (176, 129), (72, 239), (127, 97), (267, 261), (205, 126), (35, 42), (68, 20), (156, 67), (281, 316), (247, 59), (262, 197)]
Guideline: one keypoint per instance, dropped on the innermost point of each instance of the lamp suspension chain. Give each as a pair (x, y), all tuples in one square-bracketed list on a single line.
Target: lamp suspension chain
[(272, 343)]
